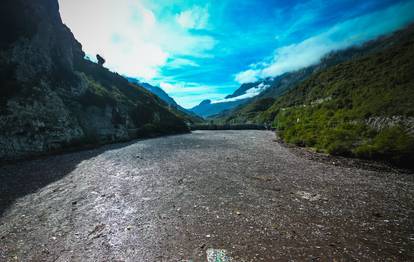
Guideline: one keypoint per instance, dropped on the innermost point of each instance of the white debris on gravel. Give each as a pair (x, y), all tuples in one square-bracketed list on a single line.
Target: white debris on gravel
[(218, 255), (309, 196)]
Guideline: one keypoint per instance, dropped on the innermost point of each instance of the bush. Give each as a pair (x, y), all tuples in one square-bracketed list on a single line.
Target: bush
[(393, 144)]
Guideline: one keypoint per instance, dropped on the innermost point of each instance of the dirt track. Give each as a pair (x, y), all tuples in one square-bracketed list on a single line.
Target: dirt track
[(174, 198)]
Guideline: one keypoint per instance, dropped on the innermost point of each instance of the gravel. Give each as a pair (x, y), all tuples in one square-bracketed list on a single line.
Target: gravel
[(238, 193)]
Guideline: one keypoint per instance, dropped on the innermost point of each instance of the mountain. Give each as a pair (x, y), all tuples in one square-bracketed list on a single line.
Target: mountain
[(243, 95), (363, 107), (207, 109), (242, 90), (254, 111), (156, 91), (172, 104), (51, 98)]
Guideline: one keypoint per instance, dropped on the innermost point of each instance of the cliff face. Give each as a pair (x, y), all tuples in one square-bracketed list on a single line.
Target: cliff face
[(52, 98)]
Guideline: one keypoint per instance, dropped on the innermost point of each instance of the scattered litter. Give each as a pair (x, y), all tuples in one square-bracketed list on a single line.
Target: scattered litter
[(208, 236), (309, 196), (217, 255)]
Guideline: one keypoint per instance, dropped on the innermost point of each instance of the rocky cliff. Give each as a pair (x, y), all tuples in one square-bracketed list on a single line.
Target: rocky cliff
[(52, 98)]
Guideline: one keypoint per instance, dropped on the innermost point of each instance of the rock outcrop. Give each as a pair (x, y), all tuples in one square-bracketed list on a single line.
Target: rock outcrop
[(101, 60), (52, 98)]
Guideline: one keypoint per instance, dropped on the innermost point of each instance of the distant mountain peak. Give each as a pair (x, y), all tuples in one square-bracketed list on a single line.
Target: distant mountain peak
[(205, 102)]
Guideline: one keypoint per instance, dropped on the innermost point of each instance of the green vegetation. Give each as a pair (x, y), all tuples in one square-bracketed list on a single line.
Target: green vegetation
[(249, 112), (333, 133), (363, 107), (331, 111)]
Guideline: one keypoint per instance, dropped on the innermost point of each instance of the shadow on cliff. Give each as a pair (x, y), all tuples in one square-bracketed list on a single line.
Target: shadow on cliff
[(27, 177)]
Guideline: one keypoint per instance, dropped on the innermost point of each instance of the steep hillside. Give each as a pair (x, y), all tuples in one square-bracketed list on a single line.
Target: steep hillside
[(363, 108), (154, 90), (254, 110), (171, 103), (52, 98)]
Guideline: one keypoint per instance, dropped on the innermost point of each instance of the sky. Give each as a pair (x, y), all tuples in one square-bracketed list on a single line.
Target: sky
[(197, 50)]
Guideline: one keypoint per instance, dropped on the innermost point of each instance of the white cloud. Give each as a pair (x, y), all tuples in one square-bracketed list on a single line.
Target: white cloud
[(179, 91), (252, 92), (129, 35), (248, 76), (184, 88), (181, 62), (194, 18), (310, 51), (194, 100)]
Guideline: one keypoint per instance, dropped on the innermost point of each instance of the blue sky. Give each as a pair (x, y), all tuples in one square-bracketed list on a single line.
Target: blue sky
[(198, 50)]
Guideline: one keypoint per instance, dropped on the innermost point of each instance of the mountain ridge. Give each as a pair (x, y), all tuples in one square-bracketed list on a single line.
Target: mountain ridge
[(362, 107), (172, 104), (52, 98), (283, 83)]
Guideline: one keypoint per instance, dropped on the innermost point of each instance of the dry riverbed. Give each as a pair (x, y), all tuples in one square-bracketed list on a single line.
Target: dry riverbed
[(238, 195)]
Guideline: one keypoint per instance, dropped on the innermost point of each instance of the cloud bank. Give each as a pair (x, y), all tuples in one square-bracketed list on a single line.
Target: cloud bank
[(252, 92), (201, 47), (194, 18), (133, 38), (180, 91), (310, 51)]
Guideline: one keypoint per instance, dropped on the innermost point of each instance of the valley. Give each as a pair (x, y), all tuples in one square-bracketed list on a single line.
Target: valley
[(177, 198)]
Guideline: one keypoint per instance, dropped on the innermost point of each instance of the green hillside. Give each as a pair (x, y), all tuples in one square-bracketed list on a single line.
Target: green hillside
[(362, 108)]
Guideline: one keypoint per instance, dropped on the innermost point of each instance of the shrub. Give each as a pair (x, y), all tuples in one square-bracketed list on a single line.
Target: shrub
[(394, 145)]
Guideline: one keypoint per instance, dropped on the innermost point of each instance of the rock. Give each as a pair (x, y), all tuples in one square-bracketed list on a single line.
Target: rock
[(309, 196), (101, 60), (377, 214), (52, 98)]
